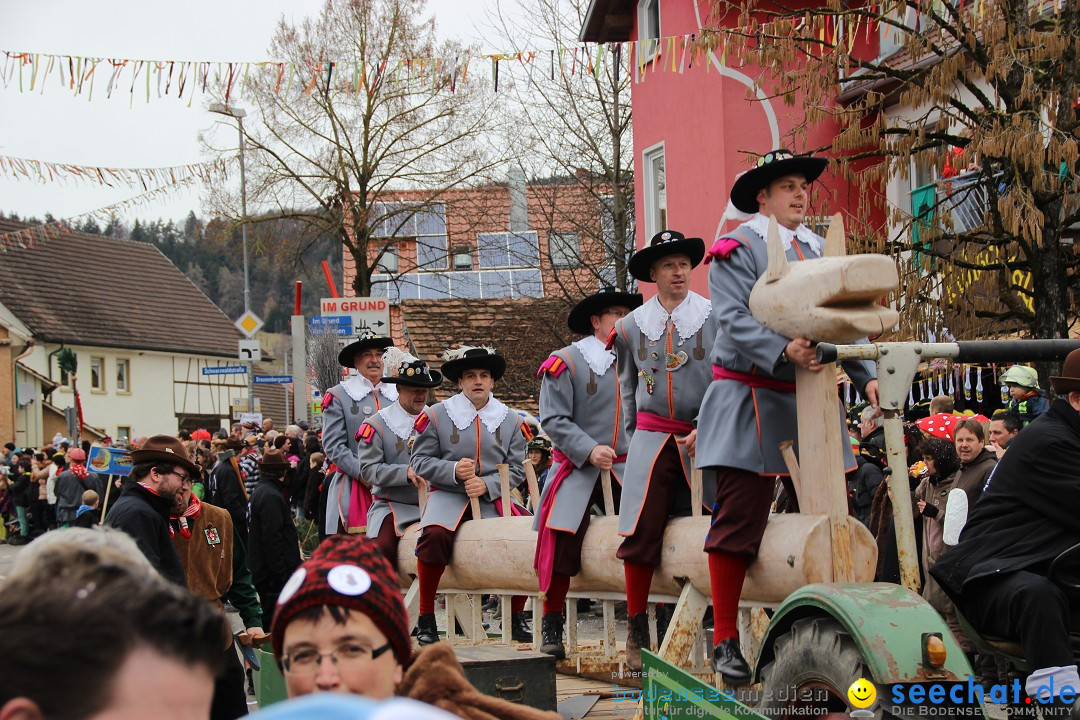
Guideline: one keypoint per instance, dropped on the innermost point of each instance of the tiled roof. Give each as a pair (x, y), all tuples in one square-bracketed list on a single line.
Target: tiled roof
[(524, 331), (96, 290)]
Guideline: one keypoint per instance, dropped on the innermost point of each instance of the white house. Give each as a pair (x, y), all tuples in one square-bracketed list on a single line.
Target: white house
[(142, 332)]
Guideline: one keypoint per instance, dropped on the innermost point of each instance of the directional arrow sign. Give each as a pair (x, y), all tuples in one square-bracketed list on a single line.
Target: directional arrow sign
[(365, 314), (249, 350)]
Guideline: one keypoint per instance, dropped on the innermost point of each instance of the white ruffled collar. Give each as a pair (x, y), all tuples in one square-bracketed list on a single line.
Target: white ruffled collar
[(398, 420), (595, 353), (359, 387), (462, 413), (760, 224), (688, 317)]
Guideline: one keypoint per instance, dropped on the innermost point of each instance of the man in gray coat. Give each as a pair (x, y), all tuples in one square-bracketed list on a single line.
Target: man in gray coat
[(459, 445), (750, 407), (385, 441), (344, 407), (661, 350), (580, 412)]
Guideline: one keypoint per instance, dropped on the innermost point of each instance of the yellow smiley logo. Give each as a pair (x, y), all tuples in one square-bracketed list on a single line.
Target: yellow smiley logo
[(862, 694)]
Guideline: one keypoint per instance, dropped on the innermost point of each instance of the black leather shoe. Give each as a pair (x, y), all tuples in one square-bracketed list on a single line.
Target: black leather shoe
[(552, 635), (637, 637), (727, 660), (427, 632), (520, 630)]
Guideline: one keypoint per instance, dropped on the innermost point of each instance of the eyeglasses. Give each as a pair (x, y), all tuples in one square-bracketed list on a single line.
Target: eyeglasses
[(185, 479), (307, 661)]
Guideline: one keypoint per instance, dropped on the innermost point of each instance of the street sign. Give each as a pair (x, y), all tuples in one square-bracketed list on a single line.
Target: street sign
[(273, 379), (249, 350), (249, 323), (342, 325), (365, 313), (316, 408), (225, 370)]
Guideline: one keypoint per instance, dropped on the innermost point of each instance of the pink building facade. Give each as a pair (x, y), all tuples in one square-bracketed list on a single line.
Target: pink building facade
[(696, 130)]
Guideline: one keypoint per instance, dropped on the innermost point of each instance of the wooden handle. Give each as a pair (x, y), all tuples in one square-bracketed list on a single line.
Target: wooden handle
[(792, 462), (504, 488), (609, 498), (422, 491), (253, 640), (534, 486), (474, 503), (695, 488)]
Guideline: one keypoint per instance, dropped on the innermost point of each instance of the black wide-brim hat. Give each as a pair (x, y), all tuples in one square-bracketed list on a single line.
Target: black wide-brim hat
[(475, 359), (580, 318), (770, 166), (667, 242), (367, 342), (415, 374)]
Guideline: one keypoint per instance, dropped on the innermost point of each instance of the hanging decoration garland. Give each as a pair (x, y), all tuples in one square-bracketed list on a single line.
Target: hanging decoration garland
[(146, 178)]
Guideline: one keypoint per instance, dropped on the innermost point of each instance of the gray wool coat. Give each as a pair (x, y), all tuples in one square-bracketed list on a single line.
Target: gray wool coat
[(676, 394), (580, 410), (739, 426), (439, 445), (384, 463), (342, 416)]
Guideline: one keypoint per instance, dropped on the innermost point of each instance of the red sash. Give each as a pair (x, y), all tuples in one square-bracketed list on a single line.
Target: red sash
[(754, 381), (657, 423), (544, 559)]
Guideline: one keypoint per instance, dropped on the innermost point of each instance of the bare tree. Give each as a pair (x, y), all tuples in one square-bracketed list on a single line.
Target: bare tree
[(380, 107), (980, 99), (572, 140)]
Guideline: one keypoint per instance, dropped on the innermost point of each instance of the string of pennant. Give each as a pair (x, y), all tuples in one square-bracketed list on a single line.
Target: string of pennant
[(31, 236), (156, 79), (147, 178)]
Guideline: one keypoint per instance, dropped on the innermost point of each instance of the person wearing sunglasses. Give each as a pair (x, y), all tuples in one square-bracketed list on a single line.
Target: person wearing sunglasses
[(161, 469)]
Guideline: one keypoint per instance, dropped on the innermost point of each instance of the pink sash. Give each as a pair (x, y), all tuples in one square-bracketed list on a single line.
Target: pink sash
[(359, 504), (657, 423), (544, 559)]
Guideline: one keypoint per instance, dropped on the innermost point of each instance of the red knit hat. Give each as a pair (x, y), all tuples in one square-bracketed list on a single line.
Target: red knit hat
[(349, 571)]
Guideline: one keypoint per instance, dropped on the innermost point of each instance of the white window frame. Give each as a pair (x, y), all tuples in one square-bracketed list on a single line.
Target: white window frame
[(100, 386), (126, 389), (655, 198), (646, 33)]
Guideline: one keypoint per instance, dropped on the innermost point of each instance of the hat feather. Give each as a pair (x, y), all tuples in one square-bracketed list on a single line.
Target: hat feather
[(459, 353), (393, 358)]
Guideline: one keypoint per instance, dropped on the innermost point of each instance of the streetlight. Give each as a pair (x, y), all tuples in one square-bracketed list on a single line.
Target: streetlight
[(239, 114)]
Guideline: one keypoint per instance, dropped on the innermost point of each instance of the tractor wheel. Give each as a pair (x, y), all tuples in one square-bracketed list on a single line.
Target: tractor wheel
[(813, 666)]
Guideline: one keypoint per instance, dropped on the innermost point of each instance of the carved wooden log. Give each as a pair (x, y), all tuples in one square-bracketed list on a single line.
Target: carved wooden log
[(497, 553)]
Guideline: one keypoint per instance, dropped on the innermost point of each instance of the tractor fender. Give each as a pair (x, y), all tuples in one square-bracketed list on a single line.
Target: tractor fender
[(887, 623)]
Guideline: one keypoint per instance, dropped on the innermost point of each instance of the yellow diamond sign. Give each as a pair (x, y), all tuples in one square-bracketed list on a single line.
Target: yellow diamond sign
[(249, 323)]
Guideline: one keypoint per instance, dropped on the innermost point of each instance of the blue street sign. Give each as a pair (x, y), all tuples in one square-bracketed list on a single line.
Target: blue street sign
[(340, 324), (273, 379), (225, 370)]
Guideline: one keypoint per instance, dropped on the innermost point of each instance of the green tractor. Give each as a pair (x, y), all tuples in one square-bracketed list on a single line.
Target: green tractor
[(824, 638)]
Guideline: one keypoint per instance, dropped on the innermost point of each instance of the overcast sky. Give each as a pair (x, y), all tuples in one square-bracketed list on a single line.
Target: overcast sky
[(59, 127)]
